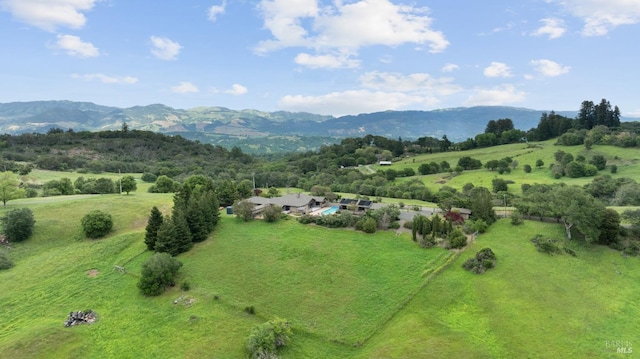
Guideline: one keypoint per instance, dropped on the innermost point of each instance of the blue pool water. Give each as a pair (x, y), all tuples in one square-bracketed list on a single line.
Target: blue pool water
[(330, 210)]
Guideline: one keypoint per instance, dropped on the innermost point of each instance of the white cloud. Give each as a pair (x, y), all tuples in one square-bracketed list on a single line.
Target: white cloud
[(76, 47), (632, 113), (549, 68), (554, 28), (237, 90), (601, 16), (450, 67), (107, 79), (380, 91), (343, 28), (499, 95), (283, 19), (185, 87), (216, 10), (352, 102), (497, 69), (416, 83), (49, 14), (164, 48), (326, 61)]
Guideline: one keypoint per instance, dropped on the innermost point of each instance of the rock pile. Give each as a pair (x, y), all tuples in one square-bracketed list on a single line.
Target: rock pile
[(80, 317)]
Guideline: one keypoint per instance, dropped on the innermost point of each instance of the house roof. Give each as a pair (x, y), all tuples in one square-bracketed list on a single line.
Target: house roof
[(258, 200), (292, 200), (461, 210)]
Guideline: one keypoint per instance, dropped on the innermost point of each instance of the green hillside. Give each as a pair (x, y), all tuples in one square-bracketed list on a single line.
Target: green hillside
[(347, 294)]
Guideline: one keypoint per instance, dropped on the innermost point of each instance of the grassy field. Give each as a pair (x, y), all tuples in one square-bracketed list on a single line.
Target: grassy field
[(337, 287), (347, 294), (531, 305), (626, 159)]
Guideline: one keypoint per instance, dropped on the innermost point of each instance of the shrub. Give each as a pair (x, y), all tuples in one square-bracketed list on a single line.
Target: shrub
[(632, 250), (96, 224), (457, 239), (158, 273), (267, 338), (546, 245), (479, 225), (367, 225), (149, 177), (5, 262), (272, 213), (527, 168), (250, 310), (243, 210), (18, 224), (483, 260), (306, 219), (516, 218), (185, 286)]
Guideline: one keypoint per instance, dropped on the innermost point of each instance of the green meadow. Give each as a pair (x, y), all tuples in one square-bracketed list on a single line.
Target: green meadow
[(626, 160), (346, 294), (337, 287)]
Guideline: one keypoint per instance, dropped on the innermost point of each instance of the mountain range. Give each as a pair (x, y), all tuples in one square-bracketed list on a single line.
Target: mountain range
[(223, 125)]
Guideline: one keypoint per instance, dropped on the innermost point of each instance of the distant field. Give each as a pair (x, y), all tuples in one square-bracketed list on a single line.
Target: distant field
[(626, 159)]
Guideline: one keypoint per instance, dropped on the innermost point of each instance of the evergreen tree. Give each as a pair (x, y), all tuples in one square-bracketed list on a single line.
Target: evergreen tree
[(153, 224), (166, 238), (210, 209), (587, 115), (196, 217), (183, 239), (481, 206)]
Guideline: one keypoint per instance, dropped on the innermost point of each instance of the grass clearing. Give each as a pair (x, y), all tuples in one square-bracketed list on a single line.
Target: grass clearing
[(338, 287), (530, 305)]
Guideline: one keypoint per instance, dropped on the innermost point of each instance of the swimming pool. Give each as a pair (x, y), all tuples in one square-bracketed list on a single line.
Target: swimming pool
[(330, 210)]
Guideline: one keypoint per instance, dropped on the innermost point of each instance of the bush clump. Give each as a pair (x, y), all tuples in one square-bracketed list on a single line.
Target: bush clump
[(516, 218), (158, 273), (5, 262), (267, 338), (96, 224), (548, 246), (457, 239), (250, 310), (18, 224), (484, 259)]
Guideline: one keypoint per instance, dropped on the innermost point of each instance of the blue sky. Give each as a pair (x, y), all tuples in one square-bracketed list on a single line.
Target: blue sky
[(327, 57)]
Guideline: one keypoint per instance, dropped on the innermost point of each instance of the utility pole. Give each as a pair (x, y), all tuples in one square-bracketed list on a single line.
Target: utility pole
[(120, 180)]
